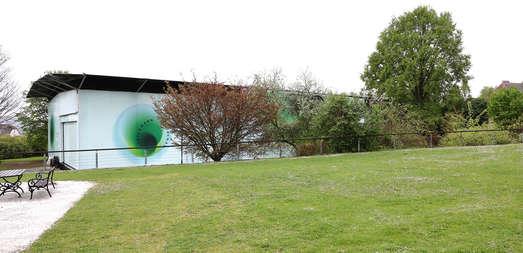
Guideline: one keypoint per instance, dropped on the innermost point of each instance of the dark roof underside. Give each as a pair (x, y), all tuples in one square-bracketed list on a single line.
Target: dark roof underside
[(51, 84)]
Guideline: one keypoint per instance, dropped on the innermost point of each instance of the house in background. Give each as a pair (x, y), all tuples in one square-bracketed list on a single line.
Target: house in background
[(8, 129), (96, 121), (508, 84)]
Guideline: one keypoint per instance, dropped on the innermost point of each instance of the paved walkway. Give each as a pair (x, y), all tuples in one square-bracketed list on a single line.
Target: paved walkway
[(22, 220)]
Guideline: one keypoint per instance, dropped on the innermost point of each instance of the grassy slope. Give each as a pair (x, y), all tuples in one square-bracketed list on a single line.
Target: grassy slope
[(446, 199)]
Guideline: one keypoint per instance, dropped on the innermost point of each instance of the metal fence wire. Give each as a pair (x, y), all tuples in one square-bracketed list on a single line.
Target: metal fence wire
[(250, 149)]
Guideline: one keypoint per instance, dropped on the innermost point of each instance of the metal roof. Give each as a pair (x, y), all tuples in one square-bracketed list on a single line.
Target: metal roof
[(51, 84)]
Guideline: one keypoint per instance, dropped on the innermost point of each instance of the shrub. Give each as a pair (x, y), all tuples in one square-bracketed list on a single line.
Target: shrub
[(309, 148), (345, 119), (398, 119), (506, 108), (13, 147), (479, 138)]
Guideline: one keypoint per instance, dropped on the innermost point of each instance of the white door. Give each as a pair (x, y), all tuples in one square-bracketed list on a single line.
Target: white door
[(70, 142)]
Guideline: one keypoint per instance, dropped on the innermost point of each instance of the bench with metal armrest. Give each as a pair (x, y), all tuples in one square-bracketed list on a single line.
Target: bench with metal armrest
[(41, 182)]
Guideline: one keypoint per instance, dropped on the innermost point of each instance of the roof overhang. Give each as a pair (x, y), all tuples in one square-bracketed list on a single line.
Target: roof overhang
[(50, 85)]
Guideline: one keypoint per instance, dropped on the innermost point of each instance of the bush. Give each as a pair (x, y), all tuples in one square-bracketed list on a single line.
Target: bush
[(346, 119), (13, 147), (398, 119), (405, 141), (479, 138), (506, 108), (309, 148)]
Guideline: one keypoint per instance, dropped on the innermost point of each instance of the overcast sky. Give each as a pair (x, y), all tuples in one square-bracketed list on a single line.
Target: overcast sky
[(171, 39)]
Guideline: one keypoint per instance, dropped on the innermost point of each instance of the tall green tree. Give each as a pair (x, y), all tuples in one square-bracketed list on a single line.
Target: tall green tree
[(419, 62), (33, 119), (505, 107)]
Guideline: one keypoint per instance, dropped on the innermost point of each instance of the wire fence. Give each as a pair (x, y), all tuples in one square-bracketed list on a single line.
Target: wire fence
[(257, 149)]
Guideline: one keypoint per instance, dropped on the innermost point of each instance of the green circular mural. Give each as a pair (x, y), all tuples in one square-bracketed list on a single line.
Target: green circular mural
[(138, 126)]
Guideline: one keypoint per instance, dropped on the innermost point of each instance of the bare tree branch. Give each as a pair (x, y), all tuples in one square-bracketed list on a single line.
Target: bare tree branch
[(9, 94), (214, 117)]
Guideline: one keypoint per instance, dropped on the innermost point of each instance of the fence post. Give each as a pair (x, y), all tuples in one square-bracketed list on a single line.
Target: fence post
[(321, 146), (181, 153), (430, 140), (237, 151), (394, 146), (358, 144), (96, 158), (145, 156)]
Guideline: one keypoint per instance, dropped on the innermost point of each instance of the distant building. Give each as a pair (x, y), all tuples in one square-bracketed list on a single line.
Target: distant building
[(8, 129), (508, 84)]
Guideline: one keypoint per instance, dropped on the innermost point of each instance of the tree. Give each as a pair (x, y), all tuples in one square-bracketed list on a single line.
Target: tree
[(476, 112), (298, 103), (213, 117), (346, 119), (486, 93), (505, 107), (419, 62), (33, 119), (9, 97)]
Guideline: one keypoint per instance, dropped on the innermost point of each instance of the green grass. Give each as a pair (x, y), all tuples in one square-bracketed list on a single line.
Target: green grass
[(423, 200), (25, 159)]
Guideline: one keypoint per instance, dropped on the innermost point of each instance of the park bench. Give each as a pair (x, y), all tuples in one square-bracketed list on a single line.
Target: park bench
[(41, 182)]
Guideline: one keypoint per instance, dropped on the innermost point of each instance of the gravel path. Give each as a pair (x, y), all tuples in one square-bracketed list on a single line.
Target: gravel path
[(22, 220)]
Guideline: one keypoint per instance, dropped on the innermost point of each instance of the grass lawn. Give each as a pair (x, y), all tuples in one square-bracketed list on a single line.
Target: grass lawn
[(423, 200)]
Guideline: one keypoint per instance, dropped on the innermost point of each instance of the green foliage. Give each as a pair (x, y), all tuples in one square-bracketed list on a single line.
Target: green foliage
[(476, 111), (297, 102), (419, 63), (33, 119), (474, 115), (340, 117), (506, 108), (397, 119), (486, 93), (479, 138), (13, 147)]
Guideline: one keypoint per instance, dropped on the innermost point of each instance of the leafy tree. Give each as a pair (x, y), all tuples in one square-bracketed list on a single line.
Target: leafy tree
[(33, 119), (345, 119), (505, 107), (297, 102), (419, 62), (9, 96), (214, 118), (486, 93), (476, 112)]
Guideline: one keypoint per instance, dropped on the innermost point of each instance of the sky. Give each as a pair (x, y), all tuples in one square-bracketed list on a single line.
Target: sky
[(235, 39)]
